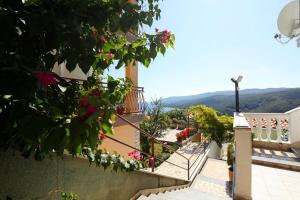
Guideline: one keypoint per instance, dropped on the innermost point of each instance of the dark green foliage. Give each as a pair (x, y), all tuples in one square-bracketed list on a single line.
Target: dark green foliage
[(230, 154), (69, 196), (40, 118), (213, 126)]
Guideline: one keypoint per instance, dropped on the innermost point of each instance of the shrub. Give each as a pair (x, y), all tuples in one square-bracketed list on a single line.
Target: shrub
[(230, 154)]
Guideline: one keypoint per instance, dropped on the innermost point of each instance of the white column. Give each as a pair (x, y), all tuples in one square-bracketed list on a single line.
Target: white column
[(268, 128), (278, 130), (243, 158), (259, 128)]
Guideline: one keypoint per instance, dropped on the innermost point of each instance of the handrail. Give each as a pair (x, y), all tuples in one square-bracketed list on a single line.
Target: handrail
[(125, 144), (149, 135), (203, 150)]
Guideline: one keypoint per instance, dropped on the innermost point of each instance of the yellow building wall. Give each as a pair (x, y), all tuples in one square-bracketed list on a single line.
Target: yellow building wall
[(126, 134)]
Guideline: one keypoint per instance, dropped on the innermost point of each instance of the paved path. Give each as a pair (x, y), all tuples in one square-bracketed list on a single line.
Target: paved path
[(169, 135), (213, 179), (274, 184)]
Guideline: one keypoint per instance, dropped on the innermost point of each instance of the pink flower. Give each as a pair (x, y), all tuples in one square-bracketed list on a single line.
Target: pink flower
[(135, 155), (110, 55), (101, 136), (156, 30), (151, 162), (166, 36), (46, 78), (89, 112)]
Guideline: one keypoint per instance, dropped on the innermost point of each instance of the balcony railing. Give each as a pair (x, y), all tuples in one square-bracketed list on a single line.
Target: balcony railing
[(274, 127), (134, 102)]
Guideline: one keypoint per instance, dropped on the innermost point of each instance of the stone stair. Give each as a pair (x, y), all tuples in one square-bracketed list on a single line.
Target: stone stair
[(188, 193), (210, 184), (275, 158)]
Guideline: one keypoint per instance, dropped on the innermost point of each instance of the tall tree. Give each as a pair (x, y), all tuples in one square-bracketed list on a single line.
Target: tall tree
[(154, 123)]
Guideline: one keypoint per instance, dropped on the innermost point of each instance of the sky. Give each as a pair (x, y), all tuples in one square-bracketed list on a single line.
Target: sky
[(215, 41)]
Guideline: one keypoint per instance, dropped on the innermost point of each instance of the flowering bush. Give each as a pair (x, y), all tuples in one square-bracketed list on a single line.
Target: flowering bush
[(182, 135), (114, 161)]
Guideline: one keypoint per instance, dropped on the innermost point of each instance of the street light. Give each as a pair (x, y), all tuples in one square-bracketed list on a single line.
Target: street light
[(236, 84)]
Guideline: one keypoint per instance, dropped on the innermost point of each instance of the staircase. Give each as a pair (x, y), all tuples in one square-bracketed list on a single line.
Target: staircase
[(188, 193), (283, 159), (210, 184)]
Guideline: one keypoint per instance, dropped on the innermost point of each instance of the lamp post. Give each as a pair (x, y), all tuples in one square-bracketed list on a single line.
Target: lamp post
[(237, 100)]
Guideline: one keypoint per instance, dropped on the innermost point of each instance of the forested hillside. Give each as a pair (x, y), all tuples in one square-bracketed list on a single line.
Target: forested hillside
[(269, 100)]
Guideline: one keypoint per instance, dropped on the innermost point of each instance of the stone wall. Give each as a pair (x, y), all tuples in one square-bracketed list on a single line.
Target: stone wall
[(29, 179)]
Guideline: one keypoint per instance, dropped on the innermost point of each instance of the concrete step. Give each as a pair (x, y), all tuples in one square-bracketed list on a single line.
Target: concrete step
[(296, 151), (280, 155), (277, 163), (189, 193)]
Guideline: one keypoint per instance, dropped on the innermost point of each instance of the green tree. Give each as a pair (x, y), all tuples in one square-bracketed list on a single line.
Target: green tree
[(154, 123), (41, 112), (213, 127)]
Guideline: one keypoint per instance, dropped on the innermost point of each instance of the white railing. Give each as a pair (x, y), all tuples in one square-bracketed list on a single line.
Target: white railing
[(274, 127)]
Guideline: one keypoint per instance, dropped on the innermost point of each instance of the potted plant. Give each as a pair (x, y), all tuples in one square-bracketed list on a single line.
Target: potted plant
[(230, 157)]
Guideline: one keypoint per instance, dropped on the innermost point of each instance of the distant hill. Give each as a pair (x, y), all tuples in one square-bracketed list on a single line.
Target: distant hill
[(251, 100)]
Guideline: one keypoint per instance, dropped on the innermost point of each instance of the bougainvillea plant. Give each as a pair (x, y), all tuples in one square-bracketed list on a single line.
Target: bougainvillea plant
[(41, 112)]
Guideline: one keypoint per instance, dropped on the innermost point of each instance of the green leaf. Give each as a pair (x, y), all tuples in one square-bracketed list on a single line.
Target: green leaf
[(32, 127), (162, 49), (54, 140), (78, 132)]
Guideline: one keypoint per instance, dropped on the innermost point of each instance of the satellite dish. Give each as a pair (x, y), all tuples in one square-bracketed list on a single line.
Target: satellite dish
[(289, 20)]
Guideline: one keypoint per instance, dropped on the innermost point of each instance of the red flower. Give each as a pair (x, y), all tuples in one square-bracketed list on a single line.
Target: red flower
[(46, 78), (89, 112), (95, 92), (84, 102)]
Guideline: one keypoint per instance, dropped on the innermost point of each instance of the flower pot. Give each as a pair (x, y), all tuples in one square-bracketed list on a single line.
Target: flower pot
[(230, 174)]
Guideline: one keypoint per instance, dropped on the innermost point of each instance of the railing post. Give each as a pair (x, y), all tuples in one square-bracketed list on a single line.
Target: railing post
[(188, 169), (152, 154), (243, 158)]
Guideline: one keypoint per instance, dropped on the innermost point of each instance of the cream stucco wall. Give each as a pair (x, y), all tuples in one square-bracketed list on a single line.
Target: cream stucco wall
[(243, 158)]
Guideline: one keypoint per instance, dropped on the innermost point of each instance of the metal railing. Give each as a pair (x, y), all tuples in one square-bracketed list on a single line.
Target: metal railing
[(198, 152), (134, 102)]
